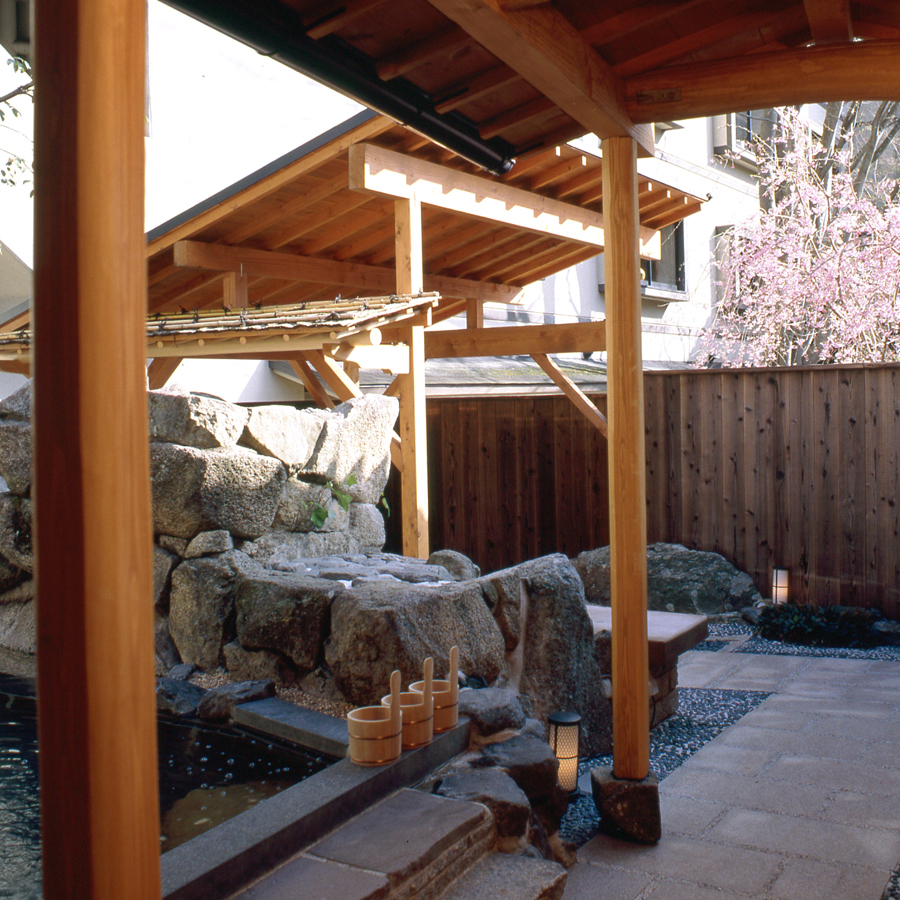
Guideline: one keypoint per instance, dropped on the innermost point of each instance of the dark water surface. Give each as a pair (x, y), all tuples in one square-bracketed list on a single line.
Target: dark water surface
[(206, 775)]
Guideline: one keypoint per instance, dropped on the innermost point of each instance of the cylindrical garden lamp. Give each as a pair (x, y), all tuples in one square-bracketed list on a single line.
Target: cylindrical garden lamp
[(779, 585), (565, 731)]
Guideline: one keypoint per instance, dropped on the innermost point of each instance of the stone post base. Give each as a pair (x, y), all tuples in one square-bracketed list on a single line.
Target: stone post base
[(630, 806)]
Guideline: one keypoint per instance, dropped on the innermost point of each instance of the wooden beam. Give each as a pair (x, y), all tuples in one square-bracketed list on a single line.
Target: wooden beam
[(17, 321), (92, 518), (413, 434), (547, 51), (287, 266), (308, 378), (627, 465), (474, 314), (376, 170), (515, 340), (573, 392), (829, 20), (864, 70), (161, 370), (235, 291)]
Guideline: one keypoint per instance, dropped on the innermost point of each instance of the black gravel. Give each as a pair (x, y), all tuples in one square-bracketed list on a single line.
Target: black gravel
[(702, 714)]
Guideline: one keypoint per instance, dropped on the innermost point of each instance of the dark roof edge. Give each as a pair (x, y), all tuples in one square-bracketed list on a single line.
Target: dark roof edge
[(271, 168)]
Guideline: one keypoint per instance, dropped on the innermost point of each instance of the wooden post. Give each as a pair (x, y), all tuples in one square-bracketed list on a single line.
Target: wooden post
[(96, 692), (627, 475), (413, 441)]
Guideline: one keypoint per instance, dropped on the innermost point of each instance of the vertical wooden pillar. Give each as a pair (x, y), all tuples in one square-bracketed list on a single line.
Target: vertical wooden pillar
[(413, 440), (627, 475), (96, 694)]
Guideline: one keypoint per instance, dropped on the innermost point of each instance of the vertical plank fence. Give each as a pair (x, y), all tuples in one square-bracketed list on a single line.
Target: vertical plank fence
[(795, 467)]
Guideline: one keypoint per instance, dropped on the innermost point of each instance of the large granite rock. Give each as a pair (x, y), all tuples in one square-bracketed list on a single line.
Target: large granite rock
[(678, 580), (18, 627), (219, 702), (503, 593), (282, 550), (302, 501), (367, 527), (18, 404), (285, 613), (15, 531), (460, 567), (177, 697), (491, 710), (556, 665), (288, 434), (355, 439), (376, 628), (163, 564), (193, 420), (204, 490), (15, 455), (529, 761), (201, 605), (507, 802)]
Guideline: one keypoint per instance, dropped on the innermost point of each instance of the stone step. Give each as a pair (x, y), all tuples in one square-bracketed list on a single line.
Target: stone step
[(500, 876), (411, 846)]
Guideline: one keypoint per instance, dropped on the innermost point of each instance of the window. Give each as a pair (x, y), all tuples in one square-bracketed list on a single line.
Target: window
[(667, 272)]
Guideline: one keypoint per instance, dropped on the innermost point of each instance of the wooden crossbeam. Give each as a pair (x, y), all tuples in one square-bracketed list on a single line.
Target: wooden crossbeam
[(865, 70), (161, 370), (573, 392), (287, 266), (547, 51), (376, 170), (308, 378), (515, 340)]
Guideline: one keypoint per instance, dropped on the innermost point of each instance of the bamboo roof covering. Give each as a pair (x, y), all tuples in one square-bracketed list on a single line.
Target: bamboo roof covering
[(301, 233), (270, 330)]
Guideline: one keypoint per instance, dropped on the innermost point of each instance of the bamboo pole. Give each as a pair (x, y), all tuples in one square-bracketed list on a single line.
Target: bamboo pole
[(412, 425), (627, 476), (97, 710)]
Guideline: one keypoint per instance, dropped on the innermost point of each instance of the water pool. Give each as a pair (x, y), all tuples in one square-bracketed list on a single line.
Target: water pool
[(207, 775)]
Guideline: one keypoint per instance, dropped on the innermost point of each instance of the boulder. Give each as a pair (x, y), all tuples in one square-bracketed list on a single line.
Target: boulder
[(302, 501), (678, 580), (178, 697), (497, 791), (193, 420), (15, 531), (367, 527), (10, 577), (15, 455), (18, 404), (282, 550), (257, 665), (491, 710), (376, 628), (503, 594), (173, 544), (288, 434), (460, 567), (167, 654), (558, 668), (163, 563), (355, 439), (201, 605), (208, 542), (17, 627), (219, 703), (286, 613), (529, 761), (204, 490)]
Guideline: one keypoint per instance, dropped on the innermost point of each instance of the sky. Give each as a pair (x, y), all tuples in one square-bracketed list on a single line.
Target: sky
[(218, 111)]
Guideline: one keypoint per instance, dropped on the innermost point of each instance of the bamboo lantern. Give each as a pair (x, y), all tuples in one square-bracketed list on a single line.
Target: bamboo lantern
[(565, 731), (445, 695), (779, 585), (375, 731), (418, 711)]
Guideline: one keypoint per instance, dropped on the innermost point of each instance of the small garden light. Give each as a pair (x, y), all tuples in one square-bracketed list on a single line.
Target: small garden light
[(565, 732), (779, 585)]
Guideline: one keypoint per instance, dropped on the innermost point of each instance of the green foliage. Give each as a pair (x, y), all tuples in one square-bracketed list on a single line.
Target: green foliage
[(815, 626), (340, 493)]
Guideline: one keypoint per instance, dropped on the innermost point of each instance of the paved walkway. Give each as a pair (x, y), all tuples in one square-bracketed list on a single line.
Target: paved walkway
[(798, 800)]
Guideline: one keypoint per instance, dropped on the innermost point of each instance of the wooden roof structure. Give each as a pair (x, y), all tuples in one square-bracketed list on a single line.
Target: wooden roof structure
[(490, 80)]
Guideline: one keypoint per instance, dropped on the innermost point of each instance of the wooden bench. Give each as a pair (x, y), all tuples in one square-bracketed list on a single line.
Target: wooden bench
[(668, 636)]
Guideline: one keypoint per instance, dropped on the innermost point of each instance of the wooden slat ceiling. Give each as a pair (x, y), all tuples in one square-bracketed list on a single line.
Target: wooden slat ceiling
[(529, 74), (304, 208)]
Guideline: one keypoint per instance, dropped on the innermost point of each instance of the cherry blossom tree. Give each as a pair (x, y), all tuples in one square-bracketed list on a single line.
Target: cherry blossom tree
[(815, 278)]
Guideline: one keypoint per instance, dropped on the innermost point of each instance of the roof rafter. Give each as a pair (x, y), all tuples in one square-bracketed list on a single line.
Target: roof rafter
[(829, 20), (541, 45)]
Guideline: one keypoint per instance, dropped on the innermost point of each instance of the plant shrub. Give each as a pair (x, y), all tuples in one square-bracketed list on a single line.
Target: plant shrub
[(819, 626)]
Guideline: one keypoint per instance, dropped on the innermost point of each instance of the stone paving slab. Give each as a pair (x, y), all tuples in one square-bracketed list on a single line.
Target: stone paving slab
[(320, 879), (798, 801), (500, 876)]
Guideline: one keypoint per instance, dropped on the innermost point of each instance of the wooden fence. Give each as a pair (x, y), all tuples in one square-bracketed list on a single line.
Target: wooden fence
[(795, 467)]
